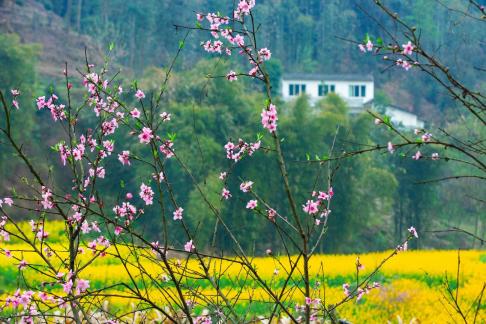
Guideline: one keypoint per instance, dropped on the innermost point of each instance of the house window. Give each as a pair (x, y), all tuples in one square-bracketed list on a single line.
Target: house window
[(296, 89), (357, 91), (324, 89)]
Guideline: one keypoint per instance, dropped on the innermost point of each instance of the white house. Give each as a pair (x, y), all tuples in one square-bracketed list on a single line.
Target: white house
[(401, 117), (355, 89)]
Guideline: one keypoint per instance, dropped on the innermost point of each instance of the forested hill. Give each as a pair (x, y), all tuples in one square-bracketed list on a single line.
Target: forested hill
[(377, 196), (304, 35)]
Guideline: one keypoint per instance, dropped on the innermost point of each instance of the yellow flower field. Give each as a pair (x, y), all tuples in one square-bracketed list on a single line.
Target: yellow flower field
[(412, 282)]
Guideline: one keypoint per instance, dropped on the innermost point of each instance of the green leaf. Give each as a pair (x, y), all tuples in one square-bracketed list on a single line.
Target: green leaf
[(181, 44), (307, 155), (367, 38), (122, 184), (111, 47), (198, 25), (379, 41)]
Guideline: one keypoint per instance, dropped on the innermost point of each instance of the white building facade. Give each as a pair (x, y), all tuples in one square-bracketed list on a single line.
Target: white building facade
[(403, 118), (356, 90)]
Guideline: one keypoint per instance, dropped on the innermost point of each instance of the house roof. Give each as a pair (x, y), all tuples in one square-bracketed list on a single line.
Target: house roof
[(327, 77)]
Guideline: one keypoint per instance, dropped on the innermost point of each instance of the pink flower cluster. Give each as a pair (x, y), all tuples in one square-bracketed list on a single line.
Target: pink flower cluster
[(147, 194), (38, 229), (189, 246), (243, 9), (178, 213), (313, 207), (47, 199), (7, 201), (236, 152), (269, 118), (366, 47), (166, 149), (57, 110), (233, 39), (126, 210)]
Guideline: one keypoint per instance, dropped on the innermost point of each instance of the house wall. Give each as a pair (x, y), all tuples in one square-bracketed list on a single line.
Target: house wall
[(342, 89), (404, 118)]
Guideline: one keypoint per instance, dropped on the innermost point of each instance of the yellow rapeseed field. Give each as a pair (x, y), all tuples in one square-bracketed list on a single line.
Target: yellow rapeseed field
[(412, 282)]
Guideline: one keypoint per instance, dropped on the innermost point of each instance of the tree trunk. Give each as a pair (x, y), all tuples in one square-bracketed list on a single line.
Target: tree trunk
[(79, 10)]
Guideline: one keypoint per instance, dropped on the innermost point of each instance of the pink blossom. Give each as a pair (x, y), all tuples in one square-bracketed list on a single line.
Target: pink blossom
[(124, 157), (253, 72), (427, 137), (139, 94), (346, 289), (369, 46), (85, 228), (222, 175), (246, 186), (118, 230), (408, 48), (109, 127), (147, 194), (165, 116), (362, 48), (413, 231), (417, 156), (199, 17), (311, 207), (378, 121), (271, 213), (109, 146), (178, 213), (435, 156), (406, 65), (81, 285), (265, 54), (100, 172), (22, 265), (47, 202), (360, 295), (252, 204), (15, 103), (135, 113), (269, 118), (231, 76), (68, 286), (217, 47), (226, 194), (189, 246), (129, 195), (146, 135), (5, 235), (391, 147), (7, 201), (166, 149), (239, 40), (15, 92), (323, 196)]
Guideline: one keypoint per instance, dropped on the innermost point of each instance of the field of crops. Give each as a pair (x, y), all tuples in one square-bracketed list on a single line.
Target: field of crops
[(412, 282)]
